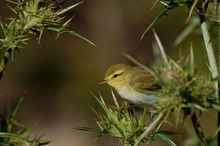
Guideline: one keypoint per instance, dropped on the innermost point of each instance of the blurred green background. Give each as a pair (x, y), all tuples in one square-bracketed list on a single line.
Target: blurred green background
[(61, 74)]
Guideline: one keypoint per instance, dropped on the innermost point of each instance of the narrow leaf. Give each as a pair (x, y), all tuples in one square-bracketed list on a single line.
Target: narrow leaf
[(77, 35), (162, 51), (154, 21), (165, 138), (62, 11)]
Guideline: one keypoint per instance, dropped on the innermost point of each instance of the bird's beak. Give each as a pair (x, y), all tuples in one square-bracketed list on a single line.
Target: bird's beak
[(103, 82)]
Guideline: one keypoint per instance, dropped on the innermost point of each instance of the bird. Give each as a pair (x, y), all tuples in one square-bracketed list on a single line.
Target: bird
[(133, 84)]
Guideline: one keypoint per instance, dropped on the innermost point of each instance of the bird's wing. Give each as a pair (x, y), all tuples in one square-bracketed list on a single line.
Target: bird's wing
[(143, 80)]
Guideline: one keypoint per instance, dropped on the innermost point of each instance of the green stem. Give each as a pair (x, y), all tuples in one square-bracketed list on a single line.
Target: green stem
[(15, 137), (209, 50), (14, 113), (4, 61), (149, 129), (23, 141)]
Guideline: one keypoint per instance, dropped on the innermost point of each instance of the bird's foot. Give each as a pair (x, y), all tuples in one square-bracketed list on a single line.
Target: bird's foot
[(123, 107)]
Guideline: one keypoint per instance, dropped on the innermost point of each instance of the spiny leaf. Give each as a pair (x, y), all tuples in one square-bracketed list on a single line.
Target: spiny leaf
[(114, 98), (154, 21), (191, 61), (191, 10), (75, 34), (62, 11), (88, 129), (165, 138), (162, 51), (191, 26)]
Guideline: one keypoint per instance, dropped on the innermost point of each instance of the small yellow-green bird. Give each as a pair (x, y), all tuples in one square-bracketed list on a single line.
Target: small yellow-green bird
[(132, 84)]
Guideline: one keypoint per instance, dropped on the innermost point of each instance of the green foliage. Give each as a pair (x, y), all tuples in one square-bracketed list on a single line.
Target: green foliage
[(185, 92), (125, 124), (13, 133), (184, 84), (32, 17), (185, 89), (193, 5)]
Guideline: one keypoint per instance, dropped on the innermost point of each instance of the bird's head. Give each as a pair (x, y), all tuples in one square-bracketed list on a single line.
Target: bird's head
[(118, 75)]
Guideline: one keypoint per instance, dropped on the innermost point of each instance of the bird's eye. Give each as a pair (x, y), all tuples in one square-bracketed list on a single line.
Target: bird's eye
[(115, 75)]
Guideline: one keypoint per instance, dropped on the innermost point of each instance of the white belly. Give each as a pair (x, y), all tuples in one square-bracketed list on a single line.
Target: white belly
[(137, 98)]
